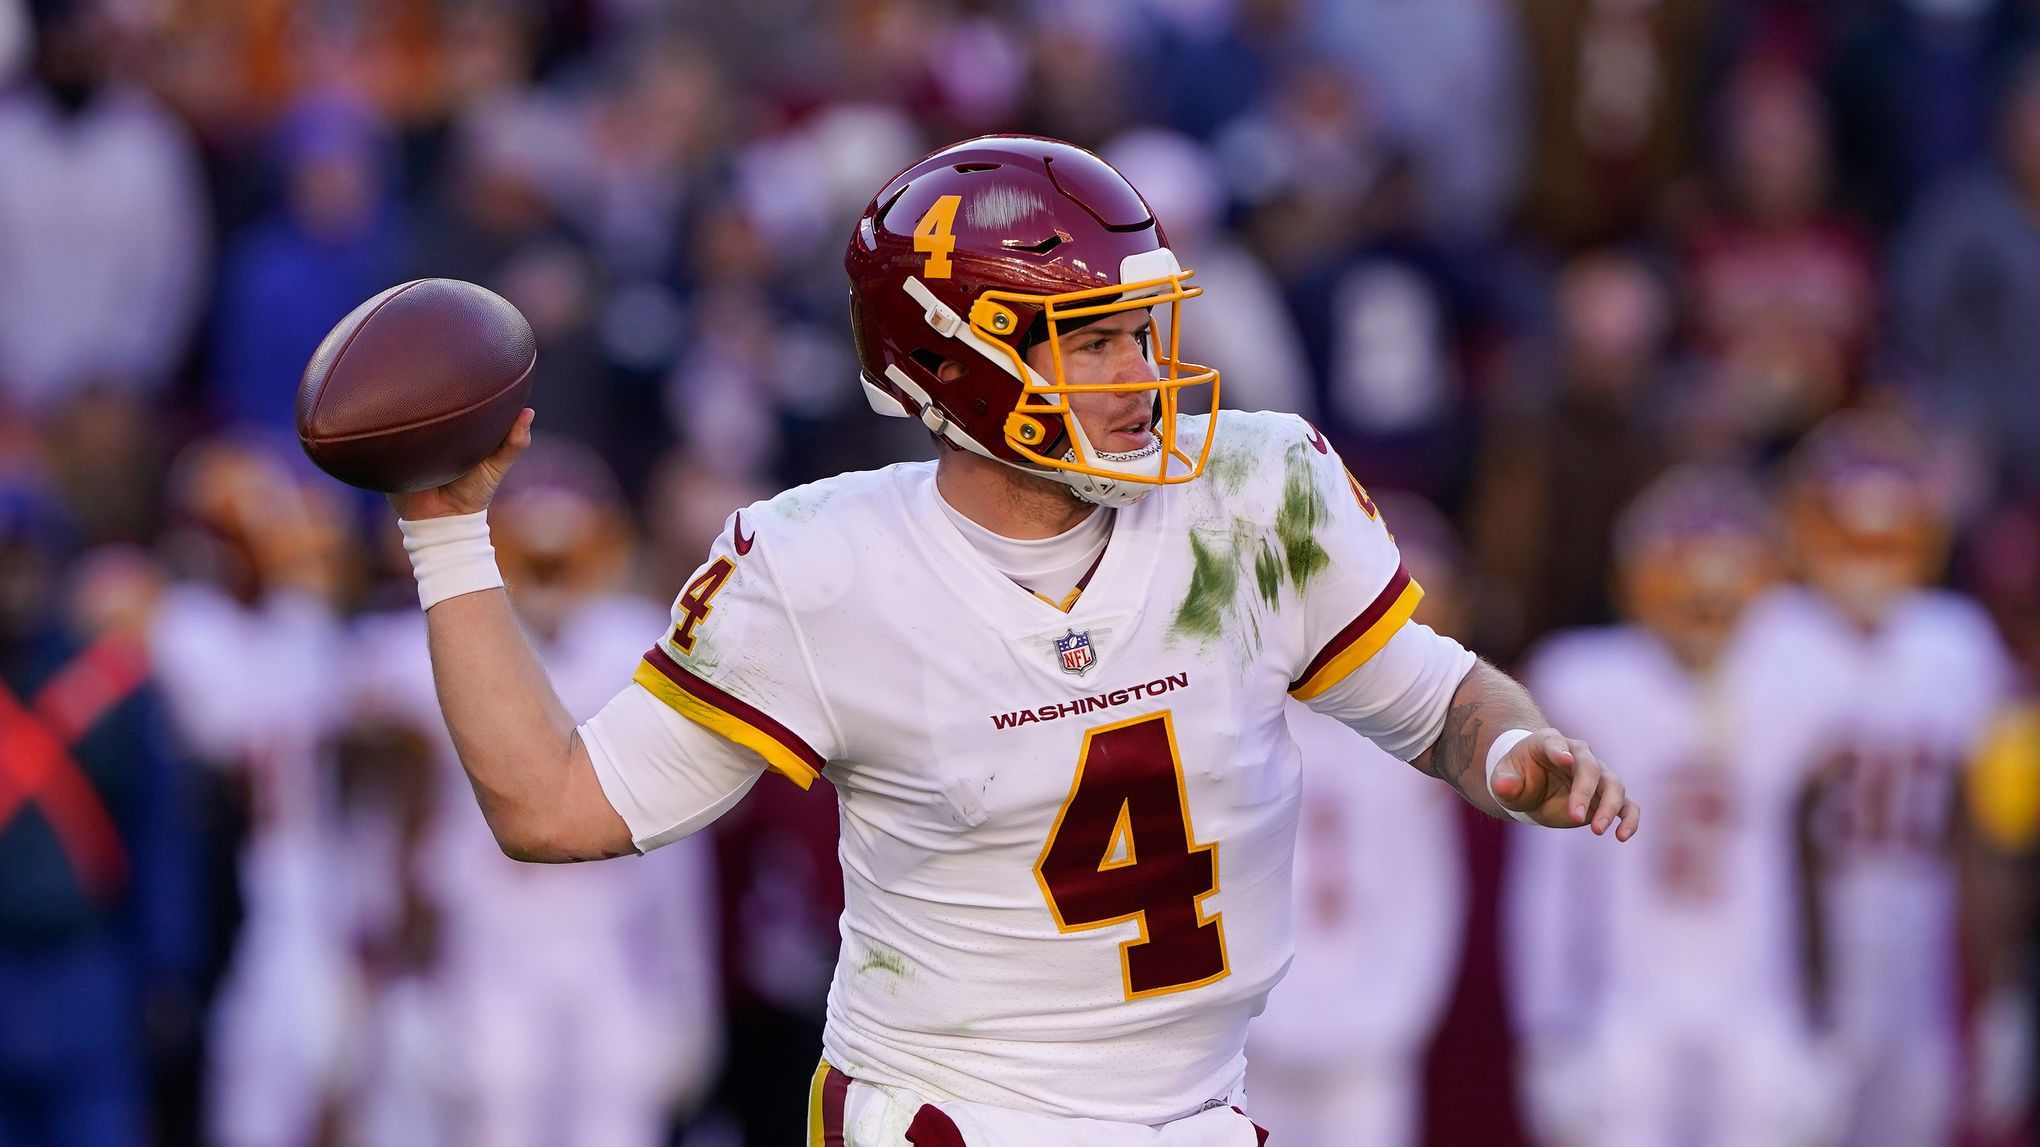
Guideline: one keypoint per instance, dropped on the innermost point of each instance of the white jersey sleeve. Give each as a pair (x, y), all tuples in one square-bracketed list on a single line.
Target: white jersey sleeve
[(1369, 665), (728, 690)]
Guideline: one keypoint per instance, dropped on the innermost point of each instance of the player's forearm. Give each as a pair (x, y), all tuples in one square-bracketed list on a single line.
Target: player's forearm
[(1487, 704), (514, 737)]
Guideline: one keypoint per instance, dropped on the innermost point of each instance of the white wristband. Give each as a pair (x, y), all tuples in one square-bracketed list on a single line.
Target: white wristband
[(450, 556), (1495, 753)]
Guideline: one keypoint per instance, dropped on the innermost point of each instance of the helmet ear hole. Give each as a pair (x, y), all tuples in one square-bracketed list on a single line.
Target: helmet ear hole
[(934, 364)]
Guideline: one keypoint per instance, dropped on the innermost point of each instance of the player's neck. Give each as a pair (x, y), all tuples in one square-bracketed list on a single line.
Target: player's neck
[(1006, 501)]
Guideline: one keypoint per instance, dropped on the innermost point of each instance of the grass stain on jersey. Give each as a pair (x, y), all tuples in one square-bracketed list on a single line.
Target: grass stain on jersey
[(1214, 580), (704, 657), (1230, 469), (804, 503), (1268, 574), (883, 959), (1219, 561), (1298, 518)]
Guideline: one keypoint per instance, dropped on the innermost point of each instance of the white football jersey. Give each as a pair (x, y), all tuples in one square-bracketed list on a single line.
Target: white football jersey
[(1674, 964), (1920, 693), (1700, 916), (1066, 836)]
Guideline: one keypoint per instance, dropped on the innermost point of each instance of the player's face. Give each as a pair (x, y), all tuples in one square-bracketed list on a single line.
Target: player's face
[(1865, 559), (1112, 350), (1691, 591)]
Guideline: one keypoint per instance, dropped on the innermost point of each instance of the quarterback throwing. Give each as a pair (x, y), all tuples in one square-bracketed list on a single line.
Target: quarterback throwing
[(1046, 674)]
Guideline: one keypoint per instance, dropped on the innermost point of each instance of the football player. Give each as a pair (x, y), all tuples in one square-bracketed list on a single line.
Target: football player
[(591, 992), (1380, 906), (1679, 980), (1046, 673), (1925, 672), (246, 648)]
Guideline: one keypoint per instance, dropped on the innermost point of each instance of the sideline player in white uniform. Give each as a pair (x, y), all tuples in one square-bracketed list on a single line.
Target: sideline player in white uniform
[(247, 655), (590, 993), (1047, 675), (1337, 1056), (1926, 672), (1688, 957)]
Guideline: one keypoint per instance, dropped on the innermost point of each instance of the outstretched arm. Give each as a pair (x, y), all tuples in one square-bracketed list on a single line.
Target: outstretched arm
[(530, 772), (1553, 780)]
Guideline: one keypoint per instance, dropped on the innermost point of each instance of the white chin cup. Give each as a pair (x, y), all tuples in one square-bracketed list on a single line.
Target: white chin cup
[(1103, 491)]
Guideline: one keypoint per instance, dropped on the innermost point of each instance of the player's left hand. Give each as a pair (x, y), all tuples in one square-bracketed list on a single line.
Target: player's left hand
[(1559, 783)]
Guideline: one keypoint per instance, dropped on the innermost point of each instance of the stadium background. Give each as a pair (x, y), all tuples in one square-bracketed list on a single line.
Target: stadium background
[(1514, 256)]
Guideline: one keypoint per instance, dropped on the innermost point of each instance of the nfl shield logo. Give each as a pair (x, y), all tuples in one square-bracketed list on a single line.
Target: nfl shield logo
[(1076, 651)]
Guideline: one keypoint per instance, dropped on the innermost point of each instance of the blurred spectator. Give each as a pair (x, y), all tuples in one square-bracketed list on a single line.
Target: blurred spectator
[(1450, 79), (1213, 60), (1241, 326), (14, 44), (1914, 83), (1923, 673), (803, 187), (1306, 164), (248, 649), (1783, 290), (1570, 447), (493, 224), (335, 239), (1085, 76), (2003, 569), (1965, 283), (99, 912), (103, 251), (978, 67), (1616, 108), (488, 52), (638, 149), (1380, 903), (105, 454), (1680, 967), (1385, 329), (763, 390)]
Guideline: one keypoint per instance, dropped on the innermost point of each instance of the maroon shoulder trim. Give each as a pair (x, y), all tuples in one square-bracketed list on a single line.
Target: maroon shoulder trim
[(1358, 628), (673, 671)]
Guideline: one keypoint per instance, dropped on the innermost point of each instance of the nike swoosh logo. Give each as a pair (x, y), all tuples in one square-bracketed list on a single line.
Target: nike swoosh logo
[(743, 543), (1317, 439)]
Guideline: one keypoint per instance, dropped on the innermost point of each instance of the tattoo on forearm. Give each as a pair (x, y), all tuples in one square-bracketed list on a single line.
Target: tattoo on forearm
[(1486, 699), (1452, 757)]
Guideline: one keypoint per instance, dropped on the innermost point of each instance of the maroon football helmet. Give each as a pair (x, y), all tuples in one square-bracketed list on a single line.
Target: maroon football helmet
[(989, 247), (1867, 522), (1692, 551)]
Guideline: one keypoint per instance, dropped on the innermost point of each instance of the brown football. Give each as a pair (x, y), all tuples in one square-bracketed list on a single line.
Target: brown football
[(416, 386)]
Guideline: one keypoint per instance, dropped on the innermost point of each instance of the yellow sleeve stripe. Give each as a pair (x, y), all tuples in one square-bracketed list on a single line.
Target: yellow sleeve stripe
[(705, 705), (1362, 639)]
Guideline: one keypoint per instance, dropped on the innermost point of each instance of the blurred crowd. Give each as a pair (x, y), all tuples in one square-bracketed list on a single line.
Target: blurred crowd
[(1690, 346)]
